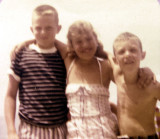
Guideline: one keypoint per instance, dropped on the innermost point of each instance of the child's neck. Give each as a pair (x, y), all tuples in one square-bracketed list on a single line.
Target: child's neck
[(131, 77), (43, 50), (45, 47), (85, 62)]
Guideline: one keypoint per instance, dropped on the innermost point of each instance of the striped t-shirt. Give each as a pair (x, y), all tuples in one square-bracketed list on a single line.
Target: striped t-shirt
[(42, 77)]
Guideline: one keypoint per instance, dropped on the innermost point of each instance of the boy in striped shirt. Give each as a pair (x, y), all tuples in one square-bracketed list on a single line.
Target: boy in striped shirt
[(39, 74)]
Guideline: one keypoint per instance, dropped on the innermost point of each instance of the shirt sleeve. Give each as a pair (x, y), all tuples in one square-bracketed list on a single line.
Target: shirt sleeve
[(15, 68)]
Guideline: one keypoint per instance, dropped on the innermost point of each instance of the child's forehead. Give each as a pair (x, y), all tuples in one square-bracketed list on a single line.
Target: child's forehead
[(47, 14), (35, 15), (127, 42), (44, 18), (82, 34)]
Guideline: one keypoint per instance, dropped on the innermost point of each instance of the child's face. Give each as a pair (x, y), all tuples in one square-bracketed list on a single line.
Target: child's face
[(85, 45), (44, 29), (128, 55)]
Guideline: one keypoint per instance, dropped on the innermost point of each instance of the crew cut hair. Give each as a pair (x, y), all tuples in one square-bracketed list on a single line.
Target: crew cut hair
[(125, 37), (43, 10)]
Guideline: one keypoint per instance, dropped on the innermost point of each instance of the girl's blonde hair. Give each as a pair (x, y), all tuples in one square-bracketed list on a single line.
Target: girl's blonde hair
[(79, 28)]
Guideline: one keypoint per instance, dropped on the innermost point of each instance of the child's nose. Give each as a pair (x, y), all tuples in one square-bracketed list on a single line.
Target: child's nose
[(85, 44), (127, 53), (43, 31)]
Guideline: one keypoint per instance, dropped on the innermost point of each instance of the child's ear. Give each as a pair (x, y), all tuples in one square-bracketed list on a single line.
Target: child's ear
[(143, 55), (31, 29), (59, 28)]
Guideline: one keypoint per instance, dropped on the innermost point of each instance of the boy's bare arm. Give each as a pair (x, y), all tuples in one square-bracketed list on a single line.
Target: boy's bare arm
[(10, 107), (146, 76), (115, 67), (157, 84)]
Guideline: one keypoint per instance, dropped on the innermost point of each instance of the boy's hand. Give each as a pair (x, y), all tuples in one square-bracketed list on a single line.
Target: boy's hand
[(18, 47), (13, 136), (146, 77)]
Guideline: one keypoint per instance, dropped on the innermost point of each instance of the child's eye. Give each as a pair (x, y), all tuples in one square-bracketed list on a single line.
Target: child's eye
[(49, 28), (121, 52), (78, 42), (89, 39), (38, 28), (133, 50)]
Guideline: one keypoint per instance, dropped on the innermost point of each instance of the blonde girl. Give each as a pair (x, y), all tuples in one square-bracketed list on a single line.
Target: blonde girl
[(88, 79)]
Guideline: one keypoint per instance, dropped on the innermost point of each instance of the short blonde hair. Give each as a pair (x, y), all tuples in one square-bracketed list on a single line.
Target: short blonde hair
[(78, 28), (43, 10), (127, 36)]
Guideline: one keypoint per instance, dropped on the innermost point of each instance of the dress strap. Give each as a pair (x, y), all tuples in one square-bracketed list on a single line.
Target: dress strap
[(100, 70), (69, 70), (99, 65)]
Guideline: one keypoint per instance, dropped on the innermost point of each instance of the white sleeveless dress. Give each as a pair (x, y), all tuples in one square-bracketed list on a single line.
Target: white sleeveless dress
[(91, 116)]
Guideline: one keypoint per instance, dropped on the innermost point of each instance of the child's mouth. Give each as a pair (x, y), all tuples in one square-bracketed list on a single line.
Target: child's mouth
[(128, 61)]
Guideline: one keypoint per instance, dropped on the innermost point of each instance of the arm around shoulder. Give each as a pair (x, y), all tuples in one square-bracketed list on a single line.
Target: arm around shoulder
[(62, 48), (157, 84), (145, 77), (112, 60), (20, 46), (116, 71)]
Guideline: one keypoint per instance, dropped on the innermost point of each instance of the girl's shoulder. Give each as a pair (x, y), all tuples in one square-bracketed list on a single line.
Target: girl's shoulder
[(107, 72)]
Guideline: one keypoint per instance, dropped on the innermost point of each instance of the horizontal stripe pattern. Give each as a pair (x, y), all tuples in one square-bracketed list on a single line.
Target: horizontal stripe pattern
[(42, 87)]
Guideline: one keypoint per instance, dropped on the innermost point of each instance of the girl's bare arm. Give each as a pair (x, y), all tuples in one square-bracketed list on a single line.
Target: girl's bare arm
[(62, 48)]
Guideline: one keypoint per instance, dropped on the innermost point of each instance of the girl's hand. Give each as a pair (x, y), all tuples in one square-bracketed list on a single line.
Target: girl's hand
[(19, 47), (145, 77)]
